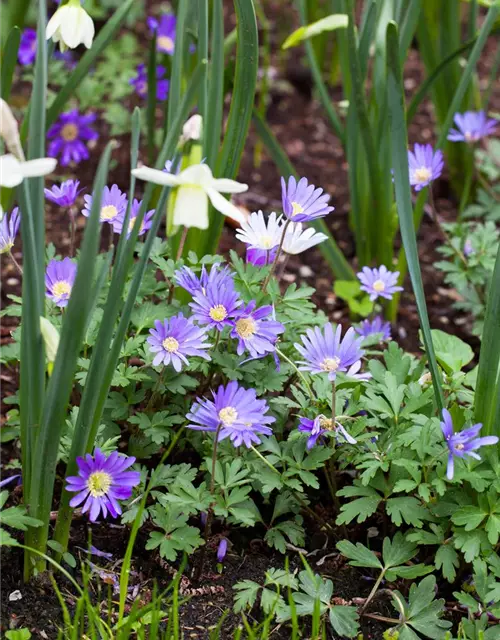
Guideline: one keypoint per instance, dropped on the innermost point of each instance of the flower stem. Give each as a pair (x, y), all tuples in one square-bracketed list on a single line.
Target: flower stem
[(373, 591), (278, 254), (298, 372), (182, 243), (154, 393), (16, 263)]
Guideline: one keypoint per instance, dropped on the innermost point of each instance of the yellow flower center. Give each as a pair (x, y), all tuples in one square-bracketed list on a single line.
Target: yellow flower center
[(109, 212), (165, 42), (131, 223), (379, 285), (297, 208), (423, 174), (326, 423), (246, 327), (69, 132), (61, 288), (228, 415), (98, 483), (6, 247), (218, 313), (330, 364), (459, 446), (170, 344), (267, 242), (469, 137)]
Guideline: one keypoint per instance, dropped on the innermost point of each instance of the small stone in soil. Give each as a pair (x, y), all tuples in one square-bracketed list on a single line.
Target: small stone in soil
[(305, 271)]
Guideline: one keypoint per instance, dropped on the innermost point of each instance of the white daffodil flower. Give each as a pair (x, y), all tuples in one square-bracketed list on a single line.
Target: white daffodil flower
[(298, 240), (193, 128), (259, 233), (13, 171), (9, 130), (71, 25), (196, 185)]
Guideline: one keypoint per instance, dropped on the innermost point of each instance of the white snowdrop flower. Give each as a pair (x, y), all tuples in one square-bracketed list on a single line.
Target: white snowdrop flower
[(259, 233), (193, 128), (9, 130), (71, 26), (13, 171), (196, 185), (298, 239)]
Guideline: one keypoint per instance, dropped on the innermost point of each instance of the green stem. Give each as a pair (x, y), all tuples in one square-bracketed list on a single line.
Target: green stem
[(154, 393), (278, 254), (374, 590), (299, 373)]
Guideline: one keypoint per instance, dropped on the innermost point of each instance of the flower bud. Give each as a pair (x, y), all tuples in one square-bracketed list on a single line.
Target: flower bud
[(193, 129), (222, 550), (50, 337), (9, 131), (71, 26)]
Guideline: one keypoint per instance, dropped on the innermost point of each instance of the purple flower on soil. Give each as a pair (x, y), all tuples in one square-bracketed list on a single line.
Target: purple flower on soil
[(113, 204), (216, 305), (69, 135), (471, 126), (424, 165), (253, 332), (27, 47), (461, 444), (377, 325), (140, 82), (325, 352), (102, 481), (9, 228), (302, 202), (174, 339), (239, 414), (146, 223), (313, 427), (65, 195), (379, 282), (222, 550), (165, 32), (59, 279)]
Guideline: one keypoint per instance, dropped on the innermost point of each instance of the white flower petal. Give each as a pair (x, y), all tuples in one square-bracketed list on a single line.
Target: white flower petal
[(199, 174), (224, 206), (225, 185), (38, 167), (156, 176), (10, 171), (191, 207), (53, 26)]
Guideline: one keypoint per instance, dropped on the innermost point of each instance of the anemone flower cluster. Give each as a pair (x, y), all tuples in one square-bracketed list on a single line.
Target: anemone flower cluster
[(425, 165), (146, 223), (235, 413), (165, 32), (303, 202), (64, 195), (324, 351), (69, 136), (113, 204), (462, 444), (188, 280), (59, 280), (176, 338), (254, 331), (373, 327), (472, 126), (379, 282), (102, 481), (263, 237), (140, 82), (9, 228), (215, 305), (320, 425)]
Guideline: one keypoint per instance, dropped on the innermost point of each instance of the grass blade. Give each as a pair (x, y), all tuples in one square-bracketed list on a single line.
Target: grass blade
[(399, 143), (9, 61), (61, 381), (202, 53), (213, 121), (487, 398), (151, 103), (330, 250), (174, 91), (104, 37)]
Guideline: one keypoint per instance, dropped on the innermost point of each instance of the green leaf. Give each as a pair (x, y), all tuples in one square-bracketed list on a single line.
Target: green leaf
[(469, 517), (246, 594), (17, 518), (359, 509), (447, 560), (398, 551), (407, 509), (9, 60), (330, 23), (344, 620), (470, 543), (18, 634), (451, 352), (359, 555)]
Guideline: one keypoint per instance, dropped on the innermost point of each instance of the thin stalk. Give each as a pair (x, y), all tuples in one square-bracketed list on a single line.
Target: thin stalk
[(72, 231), (298, 372), (278, 254), (16, 263), (182, 243), (154, 392), (373, 591)]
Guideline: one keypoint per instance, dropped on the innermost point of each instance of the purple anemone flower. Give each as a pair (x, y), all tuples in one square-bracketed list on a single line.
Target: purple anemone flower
[(113, 204), (302, 202), (69, 135), (146, 223), (261, 257), (471, 126), (425, 165), (140, 82), (379, 282), (217, 305), (325, 352), (165, 32), (222, 550), (313, 427), (218, 277), (9, 228), (101, 482), (253, 332), (468, 248), (377, 325), (65, 195), (461, 444), (59, 279), (174, 339), (236, 412), (27, 47)]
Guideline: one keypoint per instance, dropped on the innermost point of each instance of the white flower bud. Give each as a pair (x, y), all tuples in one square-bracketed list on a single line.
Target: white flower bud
[(50, 337), (71, 26), (9, 130), (193, 129)]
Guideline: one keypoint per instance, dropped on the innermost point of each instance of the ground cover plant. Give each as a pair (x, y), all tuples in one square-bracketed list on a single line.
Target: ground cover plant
[(195, 442)]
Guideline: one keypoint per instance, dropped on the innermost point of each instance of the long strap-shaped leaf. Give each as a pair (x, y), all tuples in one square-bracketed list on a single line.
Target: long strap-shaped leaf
[(174, 90), (330, 250), (61, 381), (487, 399), (107, 349), (213, 123), (8, 62), (399, 143)]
